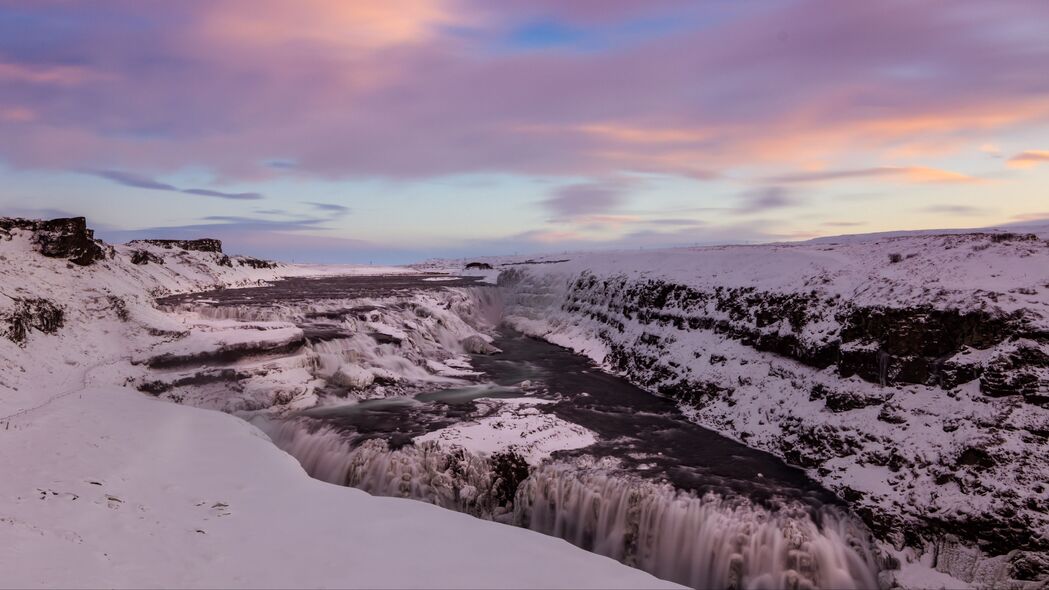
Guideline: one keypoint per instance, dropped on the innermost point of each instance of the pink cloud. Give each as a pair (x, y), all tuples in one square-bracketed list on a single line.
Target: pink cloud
[(362, 91)]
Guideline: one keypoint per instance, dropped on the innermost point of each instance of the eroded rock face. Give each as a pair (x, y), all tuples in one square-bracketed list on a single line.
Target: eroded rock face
[(1020, 369), (782, 371), (61, 238), (201, 245), (883, 345), (255, 262), (141, 257), (30, 314)]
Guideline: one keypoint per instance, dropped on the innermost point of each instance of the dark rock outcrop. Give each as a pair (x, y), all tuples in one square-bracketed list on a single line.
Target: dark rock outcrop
[(478, 266), (200, 245), (31, 314), (1023, 370), (67, 238), (255, 262), (918, 345), (145, 257)]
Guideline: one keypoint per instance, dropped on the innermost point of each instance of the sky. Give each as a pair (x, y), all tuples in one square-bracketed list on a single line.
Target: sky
[(393, 131)]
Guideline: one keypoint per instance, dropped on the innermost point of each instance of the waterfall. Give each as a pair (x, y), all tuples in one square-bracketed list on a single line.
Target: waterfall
[(701, 541), (884, 359), (452, 479)]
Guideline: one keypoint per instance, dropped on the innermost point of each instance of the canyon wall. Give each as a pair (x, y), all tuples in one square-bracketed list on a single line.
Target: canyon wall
[(908, 375)]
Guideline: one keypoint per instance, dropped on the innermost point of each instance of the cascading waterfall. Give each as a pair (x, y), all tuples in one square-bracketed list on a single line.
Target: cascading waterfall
[(703, 542), (456, 480)]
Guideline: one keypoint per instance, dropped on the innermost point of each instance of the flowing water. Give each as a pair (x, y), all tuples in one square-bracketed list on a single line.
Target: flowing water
[(654, 491)]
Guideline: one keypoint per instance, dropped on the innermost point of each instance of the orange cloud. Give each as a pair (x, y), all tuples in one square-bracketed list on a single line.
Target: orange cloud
[(340, 23), (923, 174), (909, 173), (1029, 158)]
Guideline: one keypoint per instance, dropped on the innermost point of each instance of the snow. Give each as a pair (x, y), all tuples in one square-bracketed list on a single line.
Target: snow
[(109, 488), (104, 486), (517, 426)]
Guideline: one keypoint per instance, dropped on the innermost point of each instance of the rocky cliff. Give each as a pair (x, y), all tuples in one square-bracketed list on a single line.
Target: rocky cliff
[(909, 374), (59, 238)]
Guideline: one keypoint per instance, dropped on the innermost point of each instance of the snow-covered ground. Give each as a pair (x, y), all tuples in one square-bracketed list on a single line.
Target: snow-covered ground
[(104, 486)]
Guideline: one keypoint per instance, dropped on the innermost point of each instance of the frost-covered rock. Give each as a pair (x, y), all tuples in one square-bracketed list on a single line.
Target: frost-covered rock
[(353, 377), (476, 344)]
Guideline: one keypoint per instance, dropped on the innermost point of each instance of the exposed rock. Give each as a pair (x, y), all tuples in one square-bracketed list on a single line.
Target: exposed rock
[(119, 307), (477, 345), (199, 245), (844, 401), (31, 314), (909, 344), (1022, 369), (228, 353), (145, 257), (158, 386), (61, 238), (478, 266), (255, 262), (352, 377)]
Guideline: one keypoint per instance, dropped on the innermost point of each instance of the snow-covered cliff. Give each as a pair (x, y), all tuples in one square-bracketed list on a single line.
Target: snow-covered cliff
[(909, 374)]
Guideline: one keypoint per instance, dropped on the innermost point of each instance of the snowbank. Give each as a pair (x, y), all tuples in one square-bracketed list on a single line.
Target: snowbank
[(108, 488)]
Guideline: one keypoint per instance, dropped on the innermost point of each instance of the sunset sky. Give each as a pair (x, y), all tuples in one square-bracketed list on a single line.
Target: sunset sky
[(397, 130)]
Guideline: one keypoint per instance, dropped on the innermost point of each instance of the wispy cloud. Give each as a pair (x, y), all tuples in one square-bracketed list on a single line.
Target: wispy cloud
[(955, 210), (222, 195), (907, 173), (591, 198), (134, 180), (144, 182), (1024, 217), (333, 208), (765, 199)]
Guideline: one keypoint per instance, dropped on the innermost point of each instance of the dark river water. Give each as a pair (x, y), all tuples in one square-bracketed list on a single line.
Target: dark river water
[(647, 434)]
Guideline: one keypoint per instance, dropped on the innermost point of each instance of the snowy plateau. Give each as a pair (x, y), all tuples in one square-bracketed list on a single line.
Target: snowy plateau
[(175, 416)]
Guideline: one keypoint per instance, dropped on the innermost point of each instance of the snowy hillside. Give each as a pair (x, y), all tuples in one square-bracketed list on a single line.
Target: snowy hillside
[(106, 486), (909, 374)]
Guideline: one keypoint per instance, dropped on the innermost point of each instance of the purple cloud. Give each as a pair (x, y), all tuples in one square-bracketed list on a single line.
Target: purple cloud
[(138, 181), (332, 208), (586, 199), (177, 93), (764, 199), (956, 210), (134, 180)]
